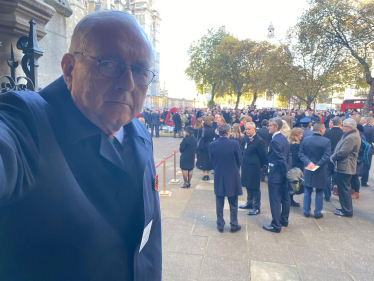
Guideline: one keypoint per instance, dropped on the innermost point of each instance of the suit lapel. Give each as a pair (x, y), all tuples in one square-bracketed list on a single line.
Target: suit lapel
[(108, 151)]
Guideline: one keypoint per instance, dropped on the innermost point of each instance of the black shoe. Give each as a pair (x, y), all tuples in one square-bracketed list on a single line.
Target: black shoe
[(318, 216), (184, 186), (220, 229), (253, 212), (306, 215), (284, 224), (365, 185), (341, 214), (204, 178), (295, 204), (271, 229), (339, 209), (246, 206), (188, 185), (235, 229), (327, 199), (207, 178)]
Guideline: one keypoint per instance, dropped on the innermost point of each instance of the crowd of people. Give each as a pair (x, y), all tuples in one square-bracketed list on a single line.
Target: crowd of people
[(300, 151)]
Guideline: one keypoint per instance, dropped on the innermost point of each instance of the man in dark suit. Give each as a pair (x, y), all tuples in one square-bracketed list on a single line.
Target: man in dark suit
[(155, 123), (263, 132), (77, 174), (368, 124), (254, 159), (226, 157), (177, 124), (315, 151), (279, 158), (334, 135)]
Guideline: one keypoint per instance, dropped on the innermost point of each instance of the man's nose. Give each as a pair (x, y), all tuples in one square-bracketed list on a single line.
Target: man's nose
[(126, 81)]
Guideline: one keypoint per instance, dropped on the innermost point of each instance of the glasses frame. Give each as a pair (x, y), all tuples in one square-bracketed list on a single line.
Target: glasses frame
[(125, 64)]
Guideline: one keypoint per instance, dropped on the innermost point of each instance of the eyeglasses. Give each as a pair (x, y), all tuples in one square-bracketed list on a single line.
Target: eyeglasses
[(113, 69)]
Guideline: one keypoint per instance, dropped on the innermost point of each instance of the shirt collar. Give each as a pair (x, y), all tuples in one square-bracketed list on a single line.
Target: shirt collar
[(276, 133), (119, 135)]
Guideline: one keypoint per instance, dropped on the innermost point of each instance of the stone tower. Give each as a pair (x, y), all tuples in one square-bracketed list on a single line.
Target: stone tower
[(271, 34)]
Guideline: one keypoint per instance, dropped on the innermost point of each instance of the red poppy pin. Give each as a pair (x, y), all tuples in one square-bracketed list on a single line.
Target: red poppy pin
[(251, 140), (156, 183)]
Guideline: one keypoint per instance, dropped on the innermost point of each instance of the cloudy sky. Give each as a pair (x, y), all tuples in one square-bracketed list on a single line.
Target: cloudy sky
[(186, 21)]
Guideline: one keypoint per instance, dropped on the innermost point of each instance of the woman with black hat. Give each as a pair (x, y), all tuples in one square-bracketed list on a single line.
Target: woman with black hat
[(187, 160)]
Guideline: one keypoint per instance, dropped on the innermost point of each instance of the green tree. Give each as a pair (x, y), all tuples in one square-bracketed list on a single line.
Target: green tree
[(202, 67), (347, 24)]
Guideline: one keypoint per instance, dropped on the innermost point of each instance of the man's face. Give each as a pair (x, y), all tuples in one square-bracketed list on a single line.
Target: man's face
[(249, 130), (110, 103), (330, 124), (323, 130), (272, 128), (346, 128), (219, 122)]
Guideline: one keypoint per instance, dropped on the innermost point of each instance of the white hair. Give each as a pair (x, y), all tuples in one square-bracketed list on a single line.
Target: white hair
[(350, 123)]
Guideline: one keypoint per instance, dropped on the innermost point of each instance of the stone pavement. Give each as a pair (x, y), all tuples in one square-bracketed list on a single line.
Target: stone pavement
[(331, 248)]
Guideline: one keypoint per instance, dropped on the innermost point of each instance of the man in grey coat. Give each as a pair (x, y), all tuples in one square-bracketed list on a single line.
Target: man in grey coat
[(345, 161)]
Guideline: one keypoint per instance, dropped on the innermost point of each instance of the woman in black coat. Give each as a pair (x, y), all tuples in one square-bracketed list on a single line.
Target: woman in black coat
[(294, 138), (254, 158), (198, 128), (203, 160), (187, 161)]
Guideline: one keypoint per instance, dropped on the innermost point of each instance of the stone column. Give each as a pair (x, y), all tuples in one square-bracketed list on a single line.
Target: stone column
[(14, 23)]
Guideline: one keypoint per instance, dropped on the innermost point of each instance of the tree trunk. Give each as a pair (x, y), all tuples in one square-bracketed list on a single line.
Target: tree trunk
[(369, 101), (237, 100), (254, 99), (213, 92), (308, 104)]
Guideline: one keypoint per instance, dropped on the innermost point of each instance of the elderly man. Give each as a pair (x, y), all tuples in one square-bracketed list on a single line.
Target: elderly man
[(77, 176), (315, 151), (345, 160), (226, 158), (279, 158)]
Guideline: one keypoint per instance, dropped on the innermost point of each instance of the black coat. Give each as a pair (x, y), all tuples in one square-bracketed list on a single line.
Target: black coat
[(203, 160), (197, 133), (66, 199), (226, 157), (188, 150), (240, 140), (296, 162), (155, 119), (254, 157), (266, 136), (334, 135), (316, 149), (369, 133), (177, 122)]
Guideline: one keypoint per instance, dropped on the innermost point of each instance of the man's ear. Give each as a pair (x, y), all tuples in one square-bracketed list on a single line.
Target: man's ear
[(67, 65)]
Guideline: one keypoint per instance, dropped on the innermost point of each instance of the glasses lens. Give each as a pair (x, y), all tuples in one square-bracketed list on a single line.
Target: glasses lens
[(111, 68), (141, 76)]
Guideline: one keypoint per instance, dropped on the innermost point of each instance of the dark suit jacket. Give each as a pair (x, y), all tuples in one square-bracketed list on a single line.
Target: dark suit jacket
[(369, 133), (226, 158), (188, 150), (254, 157), (65, 194), (155, 119), (334, 135), (266, 136), (279, 158), (316, 149)]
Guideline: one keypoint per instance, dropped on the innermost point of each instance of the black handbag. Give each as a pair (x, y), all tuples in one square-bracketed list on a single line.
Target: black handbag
[(200, 142)]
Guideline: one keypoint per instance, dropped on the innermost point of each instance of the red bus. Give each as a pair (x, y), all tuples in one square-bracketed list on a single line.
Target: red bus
[(357, 104)]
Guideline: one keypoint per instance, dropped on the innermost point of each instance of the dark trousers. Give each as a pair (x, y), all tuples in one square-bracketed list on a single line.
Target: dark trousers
[(328, 186), (254, 198), (220, 203), (155, 128), (355, 183), (280, 203), (343, 181), (365, 172)]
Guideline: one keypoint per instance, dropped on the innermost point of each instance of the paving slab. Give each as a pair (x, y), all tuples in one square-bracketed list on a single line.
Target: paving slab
[(267, 271), (313, 273), (185, 243), (270, 252), (209, 228), (181, 266)]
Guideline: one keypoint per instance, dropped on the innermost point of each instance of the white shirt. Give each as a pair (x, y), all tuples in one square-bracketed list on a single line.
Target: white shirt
[(119, 135), (275, 134)]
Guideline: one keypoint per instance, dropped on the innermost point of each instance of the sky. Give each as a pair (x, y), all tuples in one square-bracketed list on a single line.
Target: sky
[(183, 22)]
